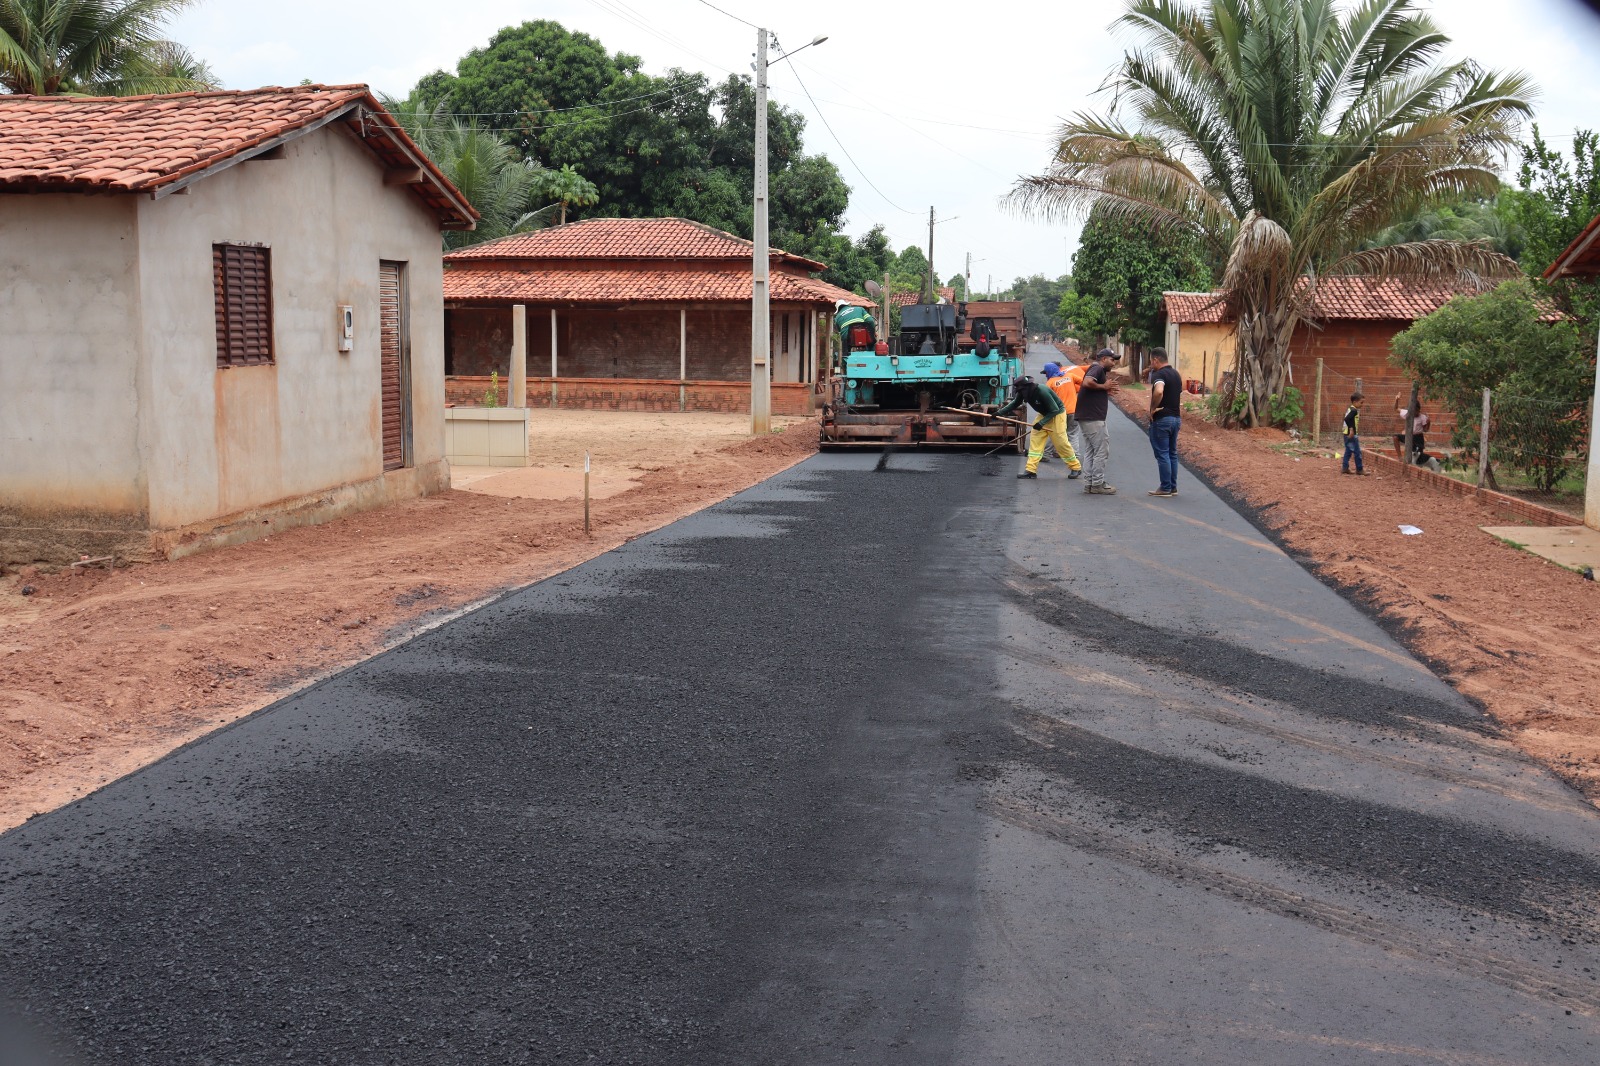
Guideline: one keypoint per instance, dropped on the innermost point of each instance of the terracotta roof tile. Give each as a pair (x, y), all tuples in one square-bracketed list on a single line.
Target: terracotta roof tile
[(633, 286), (140, 143), (1337, 298), (623, 238), (1194, 307)]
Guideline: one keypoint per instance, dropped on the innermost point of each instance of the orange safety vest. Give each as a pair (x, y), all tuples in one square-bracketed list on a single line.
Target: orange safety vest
[(1066, 388)]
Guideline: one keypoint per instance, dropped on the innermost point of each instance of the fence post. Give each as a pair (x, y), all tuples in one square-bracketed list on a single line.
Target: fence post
[(1316, 409), (1483, 443)]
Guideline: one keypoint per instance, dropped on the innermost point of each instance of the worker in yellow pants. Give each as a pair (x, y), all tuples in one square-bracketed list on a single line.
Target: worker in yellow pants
[(1050, 425)]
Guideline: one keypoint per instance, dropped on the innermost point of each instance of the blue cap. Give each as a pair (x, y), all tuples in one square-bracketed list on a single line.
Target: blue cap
[(1052, 370)]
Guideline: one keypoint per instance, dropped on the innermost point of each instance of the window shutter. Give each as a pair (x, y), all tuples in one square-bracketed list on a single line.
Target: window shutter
[(242, 275)]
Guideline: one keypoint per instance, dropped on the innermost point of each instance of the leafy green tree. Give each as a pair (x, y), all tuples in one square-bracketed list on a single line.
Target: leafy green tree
[(1083, 317), (565, 187), (111, 47), (1124, 270), (958, 282), (1041, 298), (1555, 199), (909, 271), (1541, 370), (1286, 134)]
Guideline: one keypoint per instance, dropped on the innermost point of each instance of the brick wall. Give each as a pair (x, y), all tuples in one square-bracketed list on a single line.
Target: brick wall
[(632, 394), (1354, 351), (632, 345), (1508, 505)]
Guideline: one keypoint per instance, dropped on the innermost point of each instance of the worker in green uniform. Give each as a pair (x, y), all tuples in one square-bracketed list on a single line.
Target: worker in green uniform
[(1051, 424)]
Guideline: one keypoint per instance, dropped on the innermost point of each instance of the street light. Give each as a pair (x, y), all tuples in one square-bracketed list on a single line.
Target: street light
[(760, 280)]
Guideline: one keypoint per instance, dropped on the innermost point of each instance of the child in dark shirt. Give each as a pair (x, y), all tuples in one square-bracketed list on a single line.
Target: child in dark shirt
[(1352, 434)]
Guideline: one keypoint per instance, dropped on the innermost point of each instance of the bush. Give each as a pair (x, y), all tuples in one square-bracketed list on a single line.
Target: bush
[(1286, 408), (1540, 369), (1225, 407), (491, 398)]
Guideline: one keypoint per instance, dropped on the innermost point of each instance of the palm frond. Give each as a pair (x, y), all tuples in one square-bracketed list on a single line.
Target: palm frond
[(1471, 263)]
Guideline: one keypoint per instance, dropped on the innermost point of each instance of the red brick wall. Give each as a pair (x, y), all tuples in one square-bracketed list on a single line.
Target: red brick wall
[(634, 344), (631, 394), (1352, 351), (1510, 505)]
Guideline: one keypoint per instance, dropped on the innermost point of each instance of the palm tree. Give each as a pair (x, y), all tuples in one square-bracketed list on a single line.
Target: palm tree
[(482, 165), (162, 67), (1288, 134), (61, 46)]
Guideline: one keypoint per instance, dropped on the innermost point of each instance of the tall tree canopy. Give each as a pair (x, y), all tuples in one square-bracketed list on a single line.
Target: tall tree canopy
[(672, 145), (1119, 274), (1286, 134), (1041, 299), (106, 47)]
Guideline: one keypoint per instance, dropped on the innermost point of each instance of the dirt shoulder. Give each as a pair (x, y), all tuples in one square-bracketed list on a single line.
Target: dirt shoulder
[(103, 672), (1505, 628)]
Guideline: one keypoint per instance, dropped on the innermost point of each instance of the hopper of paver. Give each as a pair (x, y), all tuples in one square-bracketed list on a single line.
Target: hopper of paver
[(913, 388)]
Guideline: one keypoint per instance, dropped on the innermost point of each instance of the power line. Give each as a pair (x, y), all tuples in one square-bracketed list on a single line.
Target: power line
[(842, 148), (730, 14)]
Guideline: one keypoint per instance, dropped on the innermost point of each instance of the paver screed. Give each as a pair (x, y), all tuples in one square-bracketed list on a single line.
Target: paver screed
[(899, 762)]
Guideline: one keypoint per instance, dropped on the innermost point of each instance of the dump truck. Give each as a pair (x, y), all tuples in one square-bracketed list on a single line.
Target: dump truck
[(928, 384)]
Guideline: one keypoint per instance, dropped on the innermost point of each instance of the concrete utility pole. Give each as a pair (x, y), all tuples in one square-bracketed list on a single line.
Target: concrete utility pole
[(760, 293), (933, 279)]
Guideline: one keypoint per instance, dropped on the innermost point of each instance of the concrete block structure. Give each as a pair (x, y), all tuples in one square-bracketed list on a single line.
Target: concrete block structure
[(222, 316)]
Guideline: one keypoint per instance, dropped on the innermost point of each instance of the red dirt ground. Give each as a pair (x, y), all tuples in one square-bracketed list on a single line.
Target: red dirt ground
[(1506, 628), (102, 672)]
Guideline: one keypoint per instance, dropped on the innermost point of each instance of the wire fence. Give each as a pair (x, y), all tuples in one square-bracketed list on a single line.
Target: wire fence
[(1535, 447)]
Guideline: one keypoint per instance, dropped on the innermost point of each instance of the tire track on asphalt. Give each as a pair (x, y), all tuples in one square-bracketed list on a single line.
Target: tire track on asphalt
[(1535, 981), (1244, 722)]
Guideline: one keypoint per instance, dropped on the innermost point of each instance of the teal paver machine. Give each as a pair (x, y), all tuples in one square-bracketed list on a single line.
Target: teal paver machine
[(925, 385)]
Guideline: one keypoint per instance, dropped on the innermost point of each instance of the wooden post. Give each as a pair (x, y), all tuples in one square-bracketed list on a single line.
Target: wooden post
[(552, 357), (1316, 408), (1483, 444), (519, 356), (683, 359)]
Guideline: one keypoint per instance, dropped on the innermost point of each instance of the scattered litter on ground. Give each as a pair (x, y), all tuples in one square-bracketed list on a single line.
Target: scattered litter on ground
[(1410, 531)]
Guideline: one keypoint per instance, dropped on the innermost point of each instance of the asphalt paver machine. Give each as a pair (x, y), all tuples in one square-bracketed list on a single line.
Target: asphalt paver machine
[(925, 385)]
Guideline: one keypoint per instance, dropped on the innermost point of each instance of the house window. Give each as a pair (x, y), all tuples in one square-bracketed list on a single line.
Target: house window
[(242, 282)]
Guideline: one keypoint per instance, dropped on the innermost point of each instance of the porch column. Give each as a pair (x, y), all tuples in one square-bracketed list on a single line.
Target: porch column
[(553, 357), (811, 346), (519, 356), (683, 359)]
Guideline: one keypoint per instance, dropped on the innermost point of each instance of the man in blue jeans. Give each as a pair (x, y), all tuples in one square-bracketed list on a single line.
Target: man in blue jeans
[(1166, 416)]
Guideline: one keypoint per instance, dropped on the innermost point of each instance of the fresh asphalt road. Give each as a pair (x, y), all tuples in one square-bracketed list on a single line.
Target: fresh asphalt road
[(883, 761)]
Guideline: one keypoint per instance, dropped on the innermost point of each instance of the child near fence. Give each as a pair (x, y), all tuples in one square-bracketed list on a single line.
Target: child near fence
[(1352, 434)]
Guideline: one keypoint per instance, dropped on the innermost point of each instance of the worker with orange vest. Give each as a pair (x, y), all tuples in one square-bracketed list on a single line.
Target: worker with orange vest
[(1064, 383)]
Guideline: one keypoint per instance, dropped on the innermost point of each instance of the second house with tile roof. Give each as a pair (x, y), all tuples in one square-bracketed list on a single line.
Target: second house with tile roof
[(634, 314)]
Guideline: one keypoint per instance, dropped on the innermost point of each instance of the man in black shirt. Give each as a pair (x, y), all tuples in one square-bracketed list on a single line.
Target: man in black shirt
[(1094, 397), (1166, 417)]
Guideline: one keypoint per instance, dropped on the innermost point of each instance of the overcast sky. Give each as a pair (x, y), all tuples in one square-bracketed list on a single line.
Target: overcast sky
[(940, 104)]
